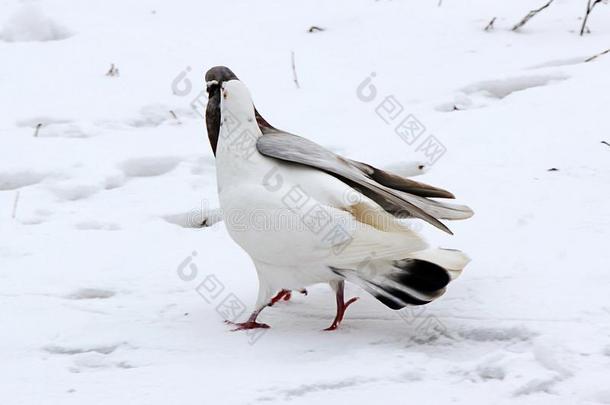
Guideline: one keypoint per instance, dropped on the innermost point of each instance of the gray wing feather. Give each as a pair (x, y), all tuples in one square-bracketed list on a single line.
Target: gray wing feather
[(293, 148), (397, 182)]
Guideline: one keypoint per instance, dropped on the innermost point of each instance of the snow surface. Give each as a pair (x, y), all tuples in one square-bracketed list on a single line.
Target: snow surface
[(101, 295)]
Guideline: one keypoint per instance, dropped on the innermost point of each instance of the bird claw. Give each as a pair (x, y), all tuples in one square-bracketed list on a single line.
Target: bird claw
[(351, 301), (340, 314), (247, 325), (334, 326)]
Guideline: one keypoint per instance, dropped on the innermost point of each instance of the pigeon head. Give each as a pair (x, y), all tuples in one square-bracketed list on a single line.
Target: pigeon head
[(214, 78)]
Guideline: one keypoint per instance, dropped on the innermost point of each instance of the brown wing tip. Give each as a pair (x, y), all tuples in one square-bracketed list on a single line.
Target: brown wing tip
[(440, 193), (444, 227)]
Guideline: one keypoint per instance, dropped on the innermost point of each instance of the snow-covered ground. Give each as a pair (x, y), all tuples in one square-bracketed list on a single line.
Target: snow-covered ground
[(105, 278)]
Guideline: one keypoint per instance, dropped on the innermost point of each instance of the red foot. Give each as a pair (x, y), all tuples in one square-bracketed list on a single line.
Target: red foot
[(247, 325), (340, 312)]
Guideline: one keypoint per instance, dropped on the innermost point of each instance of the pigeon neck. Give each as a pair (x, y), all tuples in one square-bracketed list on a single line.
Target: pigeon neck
[(262, 123), (212, 120)]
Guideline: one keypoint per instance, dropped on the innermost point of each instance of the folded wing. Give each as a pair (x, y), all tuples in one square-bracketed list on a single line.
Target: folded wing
[(399, 196)]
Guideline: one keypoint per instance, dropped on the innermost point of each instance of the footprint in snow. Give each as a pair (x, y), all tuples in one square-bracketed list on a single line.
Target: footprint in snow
[(502, 88), (72, 350), (90, 294), (18, 179), (96, 226), (69, 191), (496, 334), (477, 95), (149, 166)]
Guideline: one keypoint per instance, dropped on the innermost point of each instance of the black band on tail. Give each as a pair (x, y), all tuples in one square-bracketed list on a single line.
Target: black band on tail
[(404, 282)]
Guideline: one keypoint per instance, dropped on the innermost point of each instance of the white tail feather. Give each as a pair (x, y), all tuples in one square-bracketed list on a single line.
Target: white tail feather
[(451, 260)]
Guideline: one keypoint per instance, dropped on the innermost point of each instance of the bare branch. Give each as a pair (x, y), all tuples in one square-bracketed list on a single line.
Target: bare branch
[(315, 28), (113, 71), (38, 126), (590, 5), (175, 116), (490, 26), (531, 15), (597, 55), (14, 215), (294, 70)]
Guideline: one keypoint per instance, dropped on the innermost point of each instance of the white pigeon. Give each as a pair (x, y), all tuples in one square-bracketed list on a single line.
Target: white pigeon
[(306, 215)]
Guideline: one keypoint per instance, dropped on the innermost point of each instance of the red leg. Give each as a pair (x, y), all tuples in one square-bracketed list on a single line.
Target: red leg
[(250, 323), (341, 306)]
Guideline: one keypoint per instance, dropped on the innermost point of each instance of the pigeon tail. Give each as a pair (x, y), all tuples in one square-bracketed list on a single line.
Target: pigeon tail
[(417, 280)]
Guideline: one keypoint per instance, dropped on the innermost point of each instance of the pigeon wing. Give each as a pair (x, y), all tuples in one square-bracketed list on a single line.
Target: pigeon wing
[(292, 148), (400, 183)]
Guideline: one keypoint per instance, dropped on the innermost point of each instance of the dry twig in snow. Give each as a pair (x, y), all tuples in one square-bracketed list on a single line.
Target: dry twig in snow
[(590, 5), (175, 116), (15, 205), (490, 26), (113, 71), (531, 15), (294, 71), (315, 28), (37, 129), (597, 55)]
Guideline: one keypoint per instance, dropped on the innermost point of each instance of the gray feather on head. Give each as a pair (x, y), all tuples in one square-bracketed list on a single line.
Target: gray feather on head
[(214, 79), (220, 74)]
